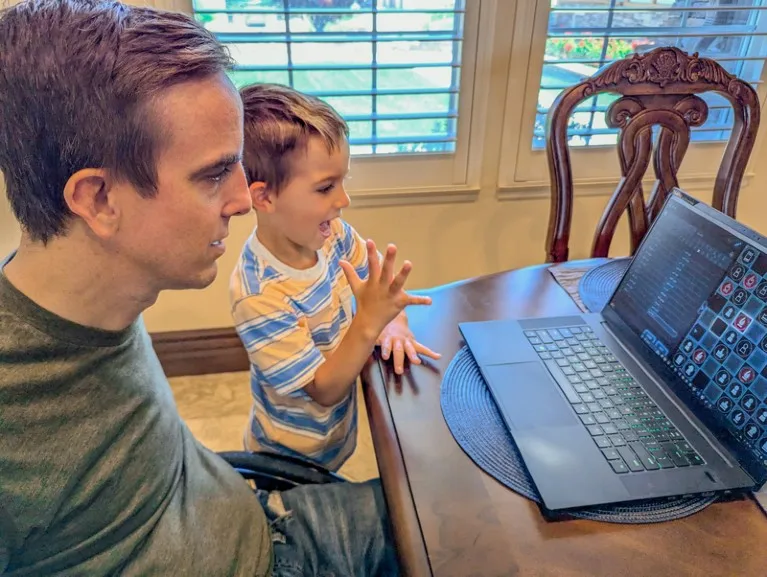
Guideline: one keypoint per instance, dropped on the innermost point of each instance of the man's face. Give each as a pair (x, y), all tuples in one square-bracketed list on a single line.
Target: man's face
[(172, 241), (313, 196)]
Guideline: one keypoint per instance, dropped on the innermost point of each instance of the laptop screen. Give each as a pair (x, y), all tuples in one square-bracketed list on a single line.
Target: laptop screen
[(696, 295)]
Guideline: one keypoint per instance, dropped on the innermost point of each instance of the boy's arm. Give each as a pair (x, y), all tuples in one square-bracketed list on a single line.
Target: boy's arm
[(338, 374), (278, 343), (281, 346)]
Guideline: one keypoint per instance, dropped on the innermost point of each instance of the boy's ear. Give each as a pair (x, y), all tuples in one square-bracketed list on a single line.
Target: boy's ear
[(261, 197)]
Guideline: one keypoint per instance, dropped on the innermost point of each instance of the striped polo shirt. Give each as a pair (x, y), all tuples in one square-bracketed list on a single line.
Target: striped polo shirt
[(288, 319)]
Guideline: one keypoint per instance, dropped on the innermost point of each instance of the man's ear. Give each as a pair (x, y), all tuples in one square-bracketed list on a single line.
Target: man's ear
[(261, 196), (89, 195)]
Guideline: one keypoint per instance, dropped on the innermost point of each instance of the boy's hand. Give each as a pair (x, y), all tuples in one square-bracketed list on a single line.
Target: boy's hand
[(381, 297), (399, 339)]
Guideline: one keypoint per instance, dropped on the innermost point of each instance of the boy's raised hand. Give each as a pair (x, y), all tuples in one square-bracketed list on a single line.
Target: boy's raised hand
[(381, 297)]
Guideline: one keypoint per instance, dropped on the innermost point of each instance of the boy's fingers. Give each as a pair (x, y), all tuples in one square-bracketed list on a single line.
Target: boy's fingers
[(374, 265), (351, 275), (387, 271), (427, 352), (386, 348), (417, 300), (399, 357), (399, 280), (410, 350)]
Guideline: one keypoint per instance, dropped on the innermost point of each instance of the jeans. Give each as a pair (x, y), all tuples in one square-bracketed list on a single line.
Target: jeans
[(331, 530)]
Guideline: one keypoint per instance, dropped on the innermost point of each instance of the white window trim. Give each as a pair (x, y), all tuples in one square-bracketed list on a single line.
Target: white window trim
[(431, 178), (596, 171)]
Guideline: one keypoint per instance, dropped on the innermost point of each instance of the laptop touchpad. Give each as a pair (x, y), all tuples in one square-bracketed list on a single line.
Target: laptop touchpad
[(528, 396)]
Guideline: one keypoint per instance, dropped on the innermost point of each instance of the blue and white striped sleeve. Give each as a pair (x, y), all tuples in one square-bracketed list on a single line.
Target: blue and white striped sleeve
[(278, 342)]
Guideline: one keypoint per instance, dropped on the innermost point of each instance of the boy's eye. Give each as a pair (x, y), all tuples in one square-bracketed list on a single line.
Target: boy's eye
[(326, 189)]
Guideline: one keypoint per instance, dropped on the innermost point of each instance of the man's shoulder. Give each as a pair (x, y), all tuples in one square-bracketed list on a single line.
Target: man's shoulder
[(21, 332), (17, 335)]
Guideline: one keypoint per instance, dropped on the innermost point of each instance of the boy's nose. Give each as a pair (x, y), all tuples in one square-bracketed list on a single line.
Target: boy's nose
[(343, 199)]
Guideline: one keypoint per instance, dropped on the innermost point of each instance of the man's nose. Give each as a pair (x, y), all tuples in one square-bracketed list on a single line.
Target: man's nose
[(239, 202)]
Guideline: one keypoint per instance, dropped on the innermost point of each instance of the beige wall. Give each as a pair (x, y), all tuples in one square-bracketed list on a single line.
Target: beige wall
[(9, 228), (445, 242)]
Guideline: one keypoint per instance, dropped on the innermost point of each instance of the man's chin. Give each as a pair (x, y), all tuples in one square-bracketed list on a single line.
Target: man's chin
[(207, 277), (200, 281)]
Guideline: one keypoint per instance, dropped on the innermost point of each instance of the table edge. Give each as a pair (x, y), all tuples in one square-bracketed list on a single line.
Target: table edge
[(406, 527)]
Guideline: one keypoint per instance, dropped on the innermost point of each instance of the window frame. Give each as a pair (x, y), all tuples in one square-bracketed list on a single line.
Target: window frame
[(418, 178)]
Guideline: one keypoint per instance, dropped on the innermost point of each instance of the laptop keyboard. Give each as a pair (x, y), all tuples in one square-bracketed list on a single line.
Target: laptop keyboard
[(625, 423)]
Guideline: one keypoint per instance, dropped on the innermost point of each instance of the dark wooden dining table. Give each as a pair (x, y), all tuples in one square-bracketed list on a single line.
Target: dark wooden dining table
[(451, 519)]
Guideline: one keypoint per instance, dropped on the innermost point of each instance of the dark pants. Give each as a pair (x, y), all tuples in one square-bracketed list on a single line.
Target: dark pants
[(332, 530)]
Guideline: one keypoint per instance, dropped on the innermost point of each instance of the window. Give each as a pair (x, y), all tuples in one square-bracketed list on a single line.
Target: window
[(392, 68), (558, 43), (584, 35)]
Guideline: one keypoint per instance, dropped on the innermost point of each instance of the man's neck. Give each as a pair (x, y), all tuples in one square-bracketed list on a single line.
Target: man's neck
[(78, 283)]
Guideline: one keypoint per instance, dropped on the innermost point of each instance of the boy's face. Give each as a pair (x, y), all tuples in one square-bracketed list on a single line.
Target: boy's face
[(314, 195)]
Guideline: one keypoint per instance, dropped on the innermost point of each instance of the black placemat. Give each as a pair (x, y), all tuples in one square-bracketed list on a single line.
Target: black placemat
[(598, 284), (473, 419)]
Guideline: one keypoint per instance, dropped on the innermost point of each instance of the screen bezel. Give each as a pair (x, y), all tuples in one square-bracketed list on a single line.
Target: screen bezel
[(754, 466)]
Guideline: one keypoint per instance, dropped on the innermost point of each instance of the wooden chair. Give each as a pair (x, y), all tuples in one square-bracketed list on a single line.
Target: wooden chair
[(659, 87)]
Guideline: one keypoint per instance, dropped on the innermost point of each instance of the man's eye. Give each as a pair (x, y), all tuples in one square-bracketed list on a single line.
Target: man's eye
[(220, 176)]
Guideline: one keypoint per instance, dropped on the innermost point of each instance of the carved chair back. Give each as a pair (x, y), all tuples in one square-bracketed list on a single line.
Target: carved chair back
[(658, 88)]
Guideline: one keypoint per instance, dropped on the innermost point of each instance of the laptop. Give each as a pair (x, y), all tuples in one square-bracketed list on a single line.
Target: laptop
[(664, 392)]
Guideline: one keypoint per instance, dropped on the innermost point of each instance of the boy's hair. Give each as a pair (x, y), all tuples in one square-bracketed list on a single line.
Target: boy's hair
[(279, 121), (77, 81)]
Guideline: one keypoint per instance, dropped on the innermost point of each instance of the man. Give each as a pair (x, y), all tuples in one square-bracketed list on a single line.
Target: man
[(120, 143)]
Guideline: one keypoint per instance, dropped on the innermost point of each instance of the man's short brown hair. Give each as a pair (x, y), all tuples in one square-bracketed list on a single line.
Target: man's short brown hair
[(77, 79), (278, 122)]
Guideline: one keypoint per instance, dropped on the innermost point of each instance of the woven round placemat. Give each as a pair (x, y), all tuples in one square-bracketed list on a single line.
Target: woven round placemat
[(598, 284), (473, 419)]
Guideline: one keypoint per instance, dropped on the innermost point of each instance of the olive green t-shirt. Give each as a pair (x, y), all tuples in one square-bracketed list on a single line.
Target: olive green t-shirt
[(98, 474)]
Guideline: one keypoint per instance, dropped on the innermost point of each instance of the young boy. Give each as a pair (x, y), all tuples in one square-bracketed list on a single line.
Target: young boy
[(291, 292)]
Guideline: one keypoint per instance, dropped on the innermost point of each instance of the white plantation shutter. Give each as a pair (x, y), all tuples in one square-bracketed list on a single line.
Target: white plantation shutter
[(392, 68)]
